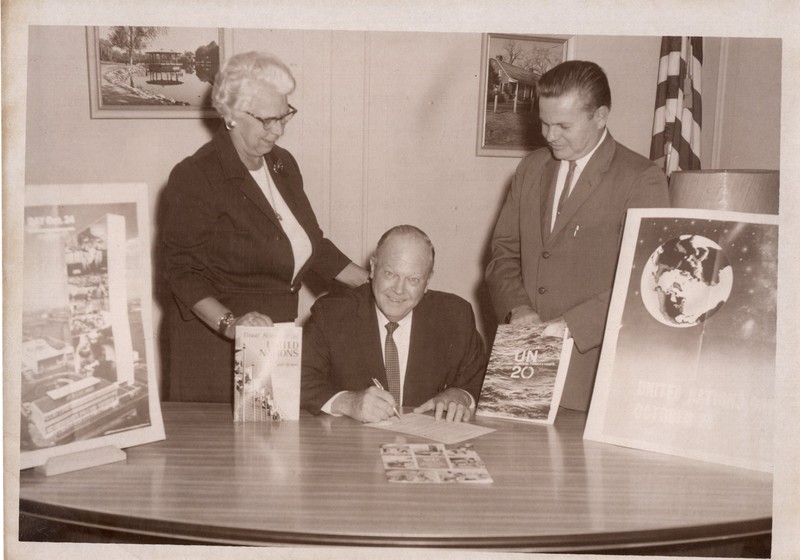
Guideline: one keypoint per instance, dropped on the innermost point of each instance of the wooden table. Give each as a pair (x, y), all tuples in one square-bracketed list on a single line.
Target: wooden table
[(320, 481)]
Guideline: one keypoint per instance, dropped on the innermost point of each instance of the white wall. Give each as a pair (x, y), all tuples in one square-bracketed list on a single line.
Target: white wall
[(386, 131), (747, 134), (65, 145), (631, 64)]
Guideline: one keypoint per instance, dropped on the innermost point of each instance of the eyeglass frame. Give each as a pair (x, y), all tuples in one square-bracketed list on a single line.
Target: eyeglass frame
[(267, 122)]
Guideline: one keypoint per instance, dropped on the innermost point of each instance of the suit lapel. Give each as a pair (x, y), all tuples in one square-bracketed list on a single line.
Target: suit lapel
[(370, 334), (235, 171), (252, 191), (547, 193), (275, 167), (587, 184), (290, 191), (421, 347), (285, 184)]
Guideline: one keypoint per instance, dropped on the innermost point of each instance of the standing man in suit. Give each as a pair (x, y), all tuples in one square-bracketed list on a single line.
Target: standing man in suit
[(420, 345), (556, 242)]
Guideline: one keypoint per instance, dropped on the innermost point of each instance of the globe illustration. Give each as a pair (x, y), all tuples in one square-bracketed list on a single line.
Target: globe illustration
[(686, 280)]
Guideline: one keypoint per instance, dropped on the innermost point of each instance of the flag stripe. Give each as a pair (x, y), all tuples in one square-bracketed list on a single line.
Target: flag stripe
[(677, 117)]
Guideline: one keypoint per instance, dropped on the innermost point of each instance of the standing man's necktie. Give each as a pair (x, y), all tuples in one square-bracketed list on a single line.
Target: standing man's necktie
[(392, 363), (566, 189)]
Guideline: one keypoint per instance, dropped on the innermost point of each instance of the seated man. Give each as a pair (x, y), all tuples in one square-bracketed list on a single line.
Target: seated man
[(421, 345)]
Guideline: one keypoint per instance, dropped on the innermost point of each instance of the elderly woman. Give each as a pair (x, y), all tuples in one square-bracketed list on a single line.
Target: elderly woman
[(237, 231)]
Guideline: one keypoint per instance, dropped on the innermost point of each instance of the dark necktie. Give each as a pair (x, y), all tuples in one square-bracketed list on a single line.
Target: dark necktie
[(391, 362), (565, 190)]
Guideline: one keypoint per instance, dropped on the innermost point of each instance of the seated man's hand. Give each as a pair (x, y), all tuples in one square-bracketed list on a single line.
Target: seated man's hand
[(370, 405), (454, 402), (524, 315)]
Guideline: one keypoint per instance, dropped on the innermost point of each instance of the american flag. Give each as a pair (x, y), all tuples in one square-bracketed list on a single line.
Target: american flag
[(678, 115)]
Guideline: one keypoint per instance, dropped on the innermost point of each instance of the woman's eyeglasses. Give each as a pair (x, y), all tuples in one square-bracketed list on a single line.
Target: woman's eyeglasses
[(269, 121)]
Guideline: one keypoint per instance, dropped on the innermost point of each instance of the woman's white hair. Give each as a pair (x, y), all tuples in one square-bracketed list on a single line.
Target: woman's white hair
[(242, 75)]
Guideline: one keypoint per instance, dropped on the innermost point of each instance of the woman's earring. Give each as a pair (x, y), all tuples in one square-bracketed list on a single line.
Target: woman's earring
[(230, 125)]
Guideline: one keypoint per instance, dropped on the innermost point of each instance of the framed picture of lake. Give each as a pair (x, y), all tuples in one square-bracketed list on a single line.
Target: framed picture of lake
[(153, 72), (511, 65)]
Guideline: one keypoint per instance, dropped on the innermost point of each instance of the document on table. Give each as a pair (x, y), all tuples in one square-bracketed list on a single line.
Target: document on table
[(427, 426)]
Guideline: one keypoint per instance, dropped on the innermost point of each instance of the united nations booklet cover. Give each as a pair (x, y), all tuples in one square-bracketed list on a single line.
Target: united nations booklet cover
[(526, 372), (267, 373), (688, 361)]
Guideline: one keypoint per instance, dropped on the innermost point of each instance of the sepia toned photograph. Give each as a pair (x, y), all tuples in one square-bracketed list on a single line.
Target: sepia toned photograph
[(511, 66), (153, 72), (375, 125)]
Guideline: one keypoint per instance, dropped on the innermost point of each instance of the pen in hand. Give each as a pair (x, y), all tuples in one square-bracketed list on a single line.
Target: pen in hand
[(379, 386)]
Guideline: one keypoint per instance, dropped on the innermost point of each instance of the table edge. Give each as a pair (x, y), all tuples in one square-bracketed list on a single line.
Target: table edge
[(193, 533)]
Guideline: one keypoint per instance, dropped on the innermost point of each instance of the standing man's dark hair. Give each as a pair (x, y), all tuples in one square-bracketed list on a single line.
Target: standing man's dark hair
[(577, 75)]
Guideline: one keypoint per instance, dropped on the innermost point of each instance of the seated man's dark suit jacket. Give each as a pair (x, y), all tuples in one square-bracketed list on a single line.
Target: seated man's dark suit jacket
[(342, 348), (569, 272)]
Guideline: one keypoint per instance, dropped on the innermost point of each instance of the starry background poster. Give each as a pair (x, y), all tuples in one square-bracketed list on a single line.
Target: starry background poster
[(688, 359)]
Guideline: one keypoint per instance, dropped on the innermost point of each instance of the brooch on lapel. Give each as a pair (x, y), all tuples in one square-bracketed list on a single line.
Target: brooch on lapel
[(277, 167)]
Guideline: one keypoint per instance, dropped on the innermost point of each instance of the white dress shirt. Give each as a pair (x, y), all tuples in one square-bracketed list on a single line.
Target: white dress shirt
[(402, 339), (580, 164)]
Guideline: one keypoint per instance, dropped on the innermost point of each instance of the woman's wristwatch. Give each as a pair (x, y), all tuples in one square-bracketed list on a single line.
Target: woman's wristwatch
[(224, 322)]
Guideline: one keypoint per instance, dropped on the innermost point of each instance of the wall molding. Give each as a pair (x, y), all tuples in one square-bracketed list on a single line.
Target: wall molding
[(719, 112)]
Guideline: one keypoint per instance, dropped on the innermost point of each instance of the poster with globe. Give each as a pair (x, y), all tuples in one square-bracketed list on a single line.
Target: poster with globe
[(688, 359)]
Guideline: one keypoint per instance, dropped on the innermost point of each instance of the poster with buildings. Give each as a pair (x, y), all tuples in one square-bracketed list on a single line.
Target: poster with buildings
[(87, 371), (688, 360)]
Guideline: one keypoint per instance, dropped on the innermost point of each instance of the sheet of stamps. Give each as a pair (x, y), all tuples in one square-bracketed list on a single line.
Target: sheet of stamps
[(433, 463)]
